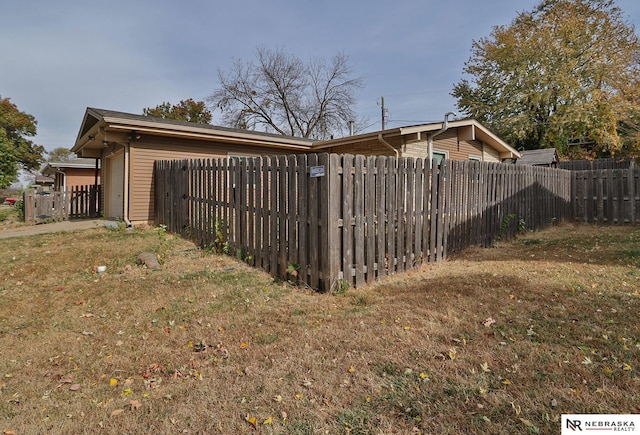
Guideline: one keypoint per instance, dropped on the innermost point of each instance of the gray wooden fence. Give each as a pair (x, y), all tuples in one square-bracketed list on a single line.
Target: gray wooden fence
[(329, 220), (607, 196), (78, 202)]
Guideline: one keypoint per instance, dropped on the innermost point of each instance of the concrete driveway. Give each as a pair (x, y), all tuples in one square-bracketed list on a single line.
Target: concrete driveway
[(74, 225)]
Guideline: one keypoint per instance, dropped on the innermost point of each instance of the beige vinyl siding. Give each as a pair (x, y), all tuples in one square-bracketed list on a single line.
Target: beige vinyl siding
[(490, 155), (145, 152), (418, 149), (456, 150)]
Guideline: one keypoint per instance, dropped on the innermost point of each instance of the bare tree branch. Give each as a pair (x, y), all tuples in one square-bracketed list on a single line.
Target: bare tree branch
[(281, 93)]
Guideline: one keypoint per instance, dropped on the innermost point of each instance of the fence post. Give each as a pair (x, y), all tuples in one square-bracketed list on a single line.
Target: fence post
[(632, 192), (28, 206), (330, 196)]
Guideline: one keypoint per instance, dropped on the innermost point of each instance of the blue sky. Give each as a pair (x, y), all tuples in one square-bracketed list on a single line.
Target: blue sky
[(60, 57)]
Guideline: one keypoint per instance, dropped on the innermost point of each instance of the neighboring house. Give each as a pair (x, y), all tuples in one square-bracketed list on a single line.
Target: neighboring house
[(74, 172), (128, 145), (542, 157), (43, 183), (455, 140)]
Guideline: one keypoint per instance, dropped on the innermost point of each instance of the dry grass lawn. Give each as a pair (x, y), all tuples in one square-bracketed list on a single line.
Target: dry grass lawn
[(500, 340)]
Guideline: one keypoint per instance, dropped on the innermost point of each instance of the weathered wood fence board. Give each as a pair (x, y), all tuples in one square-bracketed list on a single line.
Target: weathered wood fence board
[(607, 196), (79, 202), (330, 219)]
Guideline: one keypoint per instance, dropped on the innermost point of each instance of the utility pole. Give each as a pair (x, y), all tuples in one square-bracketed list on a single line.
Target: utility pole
[(383, 112)]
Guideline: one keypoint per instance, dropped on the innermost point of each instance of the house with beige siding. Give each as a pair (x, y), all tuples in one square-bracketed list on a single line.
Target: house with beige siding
[(455, 140), (128, 145)]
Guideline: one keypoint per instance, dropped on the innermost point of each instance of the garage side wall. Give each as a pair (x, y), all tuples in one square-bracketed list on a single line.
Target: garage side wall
[(144, 152)]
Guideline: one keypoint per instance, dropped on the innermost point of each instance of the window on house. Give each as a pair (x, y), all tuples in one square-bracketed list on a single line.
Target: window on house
[(475, 158), (439, 156)]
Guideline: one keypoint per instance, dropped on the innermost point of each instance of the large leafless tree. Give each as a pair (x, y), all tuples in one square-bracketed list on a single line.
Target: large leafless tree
[(280, 93)]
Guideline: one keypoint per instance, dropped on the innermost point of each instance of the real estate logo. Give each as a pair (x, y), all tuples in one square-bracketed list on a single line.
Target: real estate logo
[(600, 423), (574, 425)]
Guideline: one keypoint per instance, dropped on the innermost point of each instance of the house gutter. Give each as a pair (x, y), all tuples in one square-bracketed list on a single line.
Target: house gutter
[(391, 147), (445, 127)]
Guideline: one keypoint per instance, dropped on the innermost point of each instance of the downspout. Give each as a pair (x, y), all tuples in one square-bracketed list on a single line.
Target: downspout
[(125, 211), (388, 145), (445, 127)]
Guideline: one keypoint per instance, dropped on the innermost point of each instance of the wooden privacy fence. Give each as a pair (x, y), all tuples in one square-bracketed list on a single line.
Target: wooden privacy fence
[(331, 220), (607, 196), (76, 203)]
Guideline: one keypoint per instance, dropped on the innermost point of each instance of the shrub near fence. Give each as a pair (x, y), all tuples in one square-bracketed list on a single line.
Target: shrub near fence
[(348, 220)]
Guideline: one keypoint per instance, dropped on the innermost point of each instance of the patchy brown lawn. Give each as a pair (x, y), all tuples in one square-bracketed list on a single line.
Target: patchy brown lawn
[(500, 340)]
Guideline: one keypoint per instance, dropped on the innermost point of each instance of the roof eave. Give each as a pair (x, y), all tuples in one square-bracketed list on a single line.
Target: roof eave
[(192, 132)]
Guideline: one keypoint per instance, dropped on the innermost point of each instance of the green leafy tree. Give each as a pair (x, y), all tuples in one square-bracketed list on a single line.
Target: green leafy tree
[(282, 94), (16, 151), (60, 154), (186, 110), (566, 72)]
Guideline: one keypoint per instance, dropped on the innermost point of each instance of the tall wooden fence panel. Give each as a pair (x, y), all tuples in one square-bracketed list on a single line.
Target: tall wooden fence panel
[(607, 196), (271, 212), (590, 165), (331, 219)]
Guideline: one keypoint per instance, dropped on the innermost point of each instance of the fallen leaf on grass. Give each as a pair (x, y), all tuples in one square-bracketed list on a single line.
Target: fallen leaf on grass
[(485, 367), (113, 382), (244, 344), (269, 420), (116, 412), (252, 421), (526, 422), (506, 382), (627, 367), (488, 322), (134, 404), (74, 387)]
